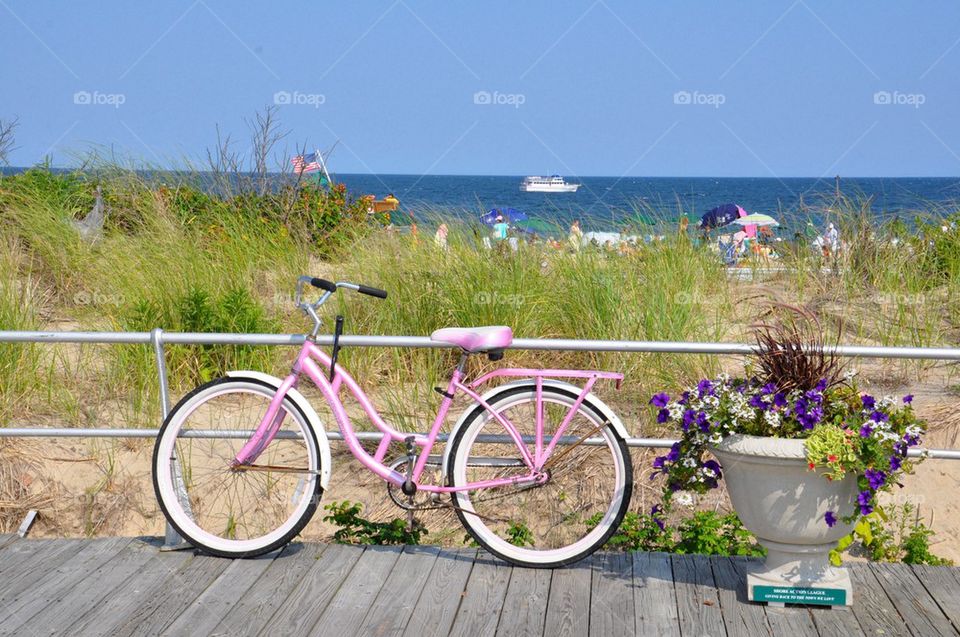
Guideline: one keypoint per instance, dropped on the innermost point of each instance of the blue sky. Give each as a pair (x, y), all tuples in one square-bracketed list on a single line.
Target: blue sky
[(801, 88)]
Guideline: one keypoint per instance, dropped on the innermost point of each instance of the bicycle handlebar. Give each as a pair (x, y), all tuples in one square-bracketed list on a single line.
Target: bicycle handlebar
[(329, 286)]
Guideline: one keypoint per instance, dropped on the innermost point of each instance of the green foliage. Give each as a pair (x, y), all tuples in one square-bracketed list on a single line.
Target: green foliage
[(705, 532), (638, 532), (897, 534), (519, 534), (235, 310), (710, 533), (355, 529)]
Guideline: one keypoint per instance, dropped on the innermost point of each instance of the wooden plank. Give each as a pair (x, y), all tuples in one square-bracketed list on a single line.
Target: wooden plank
[(740, 616), (391, 610), (65, 609), (26, 562), (252, 611), (440, 599), (179, 590), (698, 605), (525, 604), (22, 605), (482, 601), (7, 538), (871, 606), (305, 604), (654, 596), (611, 597), (836, 622), (944, 586), (791, 620), (568, 609), (348, 608), (213, 604), (918, 609), (138, 590)]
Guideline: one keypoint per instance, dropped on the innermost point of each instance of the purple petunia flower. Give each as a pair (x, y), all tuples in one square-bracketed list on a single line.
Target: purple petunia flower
[(865, 431), (830, 518), (895, 462), (689, 417), (663, 416), (780, 399), (875, 478), (768, 389), (684, 398), (869, 402), (674, 453), (822, 384), (756, 401), (908, 399), (879, 416), (704, 388), (660, 400), (864, 500), (655, 513)]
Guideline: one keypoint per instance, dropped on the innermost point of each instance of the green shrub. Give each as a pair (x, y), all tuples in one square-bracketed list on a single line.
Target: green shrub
[(705, 533), (355, 529)]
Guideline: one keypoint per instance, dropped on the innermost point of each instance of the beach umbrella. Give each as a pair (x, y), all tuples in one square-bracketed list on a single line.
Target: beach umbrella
[(721, 216), (513, 215), (757, 219), (538, 226), (490, 217)]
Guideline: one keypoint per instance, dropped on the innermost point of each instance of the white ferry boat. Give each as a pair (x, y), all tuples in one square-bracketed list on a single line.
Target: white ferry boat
[(554, 183)]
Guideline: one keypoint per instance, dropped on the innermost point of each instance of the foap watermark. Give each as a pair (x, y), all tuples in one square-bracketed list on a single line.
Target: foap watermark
[(296, 98), (496, 98), (896, 98), (684, 297), (98, 298), (696, 98), (96, 98), (497, 298)]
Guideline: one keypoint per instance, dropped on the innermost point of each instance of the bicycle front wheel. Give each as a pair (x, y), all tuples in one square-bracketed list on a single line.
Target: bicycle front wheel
[(570, 515), (235, 511)]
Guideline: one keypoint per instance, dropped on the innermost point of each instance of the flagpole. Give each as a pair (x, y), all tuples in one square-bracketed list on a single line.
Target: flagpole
[(323, 165)]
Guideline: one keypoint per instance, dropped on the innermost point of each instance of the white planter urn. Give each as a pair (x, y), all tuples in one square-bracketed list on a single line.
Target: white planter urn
[(781, 501)]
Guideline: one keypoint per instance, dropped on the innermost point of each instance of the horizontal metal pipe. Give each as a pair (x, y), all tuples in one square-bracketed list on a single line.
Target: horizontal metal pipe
[(372, 436), (664, 347)]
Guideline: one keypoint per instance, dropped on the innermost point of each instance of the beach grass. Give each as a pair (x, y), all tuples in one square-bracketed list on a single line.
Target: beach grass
[(176, 257)]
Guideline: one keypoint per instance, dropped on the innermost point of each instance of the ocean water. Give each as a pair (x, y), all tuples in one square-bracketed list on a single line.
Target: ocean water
[(606, 203), (612, 203)]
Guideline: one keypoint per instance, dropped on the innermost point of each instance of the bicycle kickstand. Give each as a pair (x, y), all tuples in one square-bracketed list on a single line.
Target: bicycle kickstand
[(408, 487)]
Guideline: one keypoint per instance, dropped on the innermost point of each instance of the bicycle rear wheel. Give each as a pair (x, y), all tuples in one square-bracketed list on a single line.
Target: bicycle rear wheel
[(235, 511), (556, 523)]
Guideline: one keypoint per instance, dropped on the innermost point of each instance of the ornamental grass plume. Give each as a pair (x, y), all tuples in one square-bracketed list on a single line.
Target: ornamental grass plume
[(792, 350)]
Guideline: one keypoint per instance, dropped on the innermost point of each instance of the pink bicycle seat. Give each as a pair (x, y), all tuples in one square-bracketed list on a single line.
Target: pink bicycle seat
[(475, 339)]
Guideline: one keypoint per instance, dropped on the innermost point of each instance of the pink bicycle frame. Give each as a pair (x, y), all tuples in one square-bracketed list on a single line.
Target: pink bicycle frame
[(312, 361)]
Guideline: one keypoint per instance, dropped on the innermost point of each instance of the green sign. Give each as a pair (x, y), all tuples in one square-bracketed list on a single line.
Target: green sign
[(791, 595)]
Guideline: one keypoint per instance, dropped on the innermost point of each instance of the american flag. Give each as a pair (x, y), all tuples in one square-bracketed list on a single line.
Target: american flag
[(305, 163)]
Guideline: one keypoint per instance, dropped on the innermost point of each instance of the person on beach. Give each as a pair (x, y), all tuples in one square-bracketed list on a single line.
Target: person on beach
[(576, 236), (500, 229), (440, 238), (830, 241)]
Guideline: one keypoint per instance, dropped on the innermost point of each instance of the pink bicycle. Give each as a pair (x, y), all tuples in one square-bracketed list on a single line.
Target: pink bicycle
[(536, 468)]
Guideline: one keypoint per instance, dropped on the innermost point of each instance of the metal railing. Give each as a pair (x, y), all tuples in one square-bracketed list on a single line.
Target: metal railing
[(157, 338)]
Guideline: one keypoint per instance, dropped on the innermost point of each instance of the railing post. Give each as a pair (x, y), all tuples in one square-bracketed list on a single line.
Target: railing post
[(171, 539)]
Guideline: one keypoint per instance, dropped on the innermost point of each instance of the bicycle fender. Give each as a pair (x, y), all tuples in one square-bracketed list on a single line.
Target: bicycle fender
[(491, 395), (312, 418)]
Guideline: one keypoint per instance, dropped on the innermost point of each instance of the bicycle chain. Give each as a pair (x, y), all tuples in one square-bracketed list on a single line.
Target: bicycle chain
[(392, 491)]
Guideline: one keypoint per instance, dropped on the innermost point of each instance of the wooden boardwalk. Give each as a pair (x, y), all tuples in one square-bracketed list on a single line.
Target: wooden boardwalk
[(123, 586)]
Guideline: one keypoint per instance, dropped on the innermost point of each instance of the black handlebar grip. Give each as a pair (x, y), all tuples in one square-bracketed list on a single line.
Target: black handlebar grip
[(364, 289), (323, 284)]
